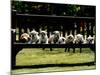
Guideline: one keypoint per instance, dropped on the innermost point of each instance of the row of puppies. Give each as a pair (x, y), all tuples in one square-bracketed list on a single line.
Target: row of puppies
[(41, 38)]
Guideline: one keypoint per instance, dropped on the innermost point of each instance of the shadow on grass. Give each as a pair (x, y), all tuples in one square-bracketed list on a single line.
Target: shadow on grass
[(54, 65)]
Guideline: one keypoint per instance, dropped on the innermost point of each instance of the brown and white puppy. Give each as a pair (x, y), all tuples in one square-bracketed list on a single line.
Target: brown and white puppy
[(70, 39), (34, 36), (79, 39), (25, 38), (43, 38), (62, 40), (54, 39)]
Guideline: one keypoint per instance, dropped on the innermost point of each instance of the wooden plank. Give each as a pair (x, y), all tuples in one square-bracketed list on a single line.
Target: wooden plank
[(72, 17), (24, 45)]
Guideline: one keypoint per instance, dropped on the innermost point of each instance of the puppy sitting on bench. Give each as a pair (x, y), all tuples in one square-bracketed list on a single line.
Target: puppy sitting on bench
[(43, 38), (54, 39), (25, 38), (34, 36)]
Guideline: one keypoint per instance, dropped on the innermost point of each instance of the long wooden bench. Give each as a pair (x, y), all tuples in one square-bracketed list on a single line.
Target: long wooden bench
[(17, 46), (20, 21)]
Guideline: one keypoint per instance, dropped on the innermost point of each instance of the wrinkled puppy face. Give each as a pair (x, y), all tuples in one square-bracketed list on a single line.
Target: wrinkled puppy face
[(79, 39), (43, 33), (24, 37), (34, 34), (90, 40), (70, 39), (56, 34)]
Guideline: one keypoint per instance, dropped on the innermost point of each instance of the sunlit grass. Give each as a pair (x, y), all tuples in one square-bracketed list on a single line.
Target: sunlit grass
[(57, 56)]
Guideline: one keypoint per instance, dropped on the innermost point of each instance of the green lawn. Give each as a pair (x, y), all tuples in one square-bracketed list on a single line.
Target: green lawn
[(36, 56)]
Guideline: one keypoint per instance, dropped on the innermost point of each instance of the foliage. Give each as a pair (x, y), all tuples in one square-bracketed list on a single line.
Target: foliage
[(52, 9)]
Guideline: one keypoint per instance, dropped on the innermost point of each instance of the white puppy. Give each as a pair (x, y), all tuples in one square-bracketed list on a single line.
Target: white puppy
[(79, 39), (62, 40), (90, 40), (34, 36), (54, 39), (43, 38)]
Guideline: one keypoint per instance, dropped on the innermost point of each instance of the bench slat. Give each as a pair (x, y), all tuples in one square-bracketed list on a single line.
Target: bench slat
[(24, 45)]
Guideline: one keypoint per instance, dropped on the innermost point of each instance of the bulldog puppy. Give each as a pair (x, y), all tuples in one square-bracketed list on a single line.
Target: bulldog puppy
[(43, 38), (90, 40), (54, 39), (79, 39), (25, 38), (62, 40), (34, 36), (70, 39)]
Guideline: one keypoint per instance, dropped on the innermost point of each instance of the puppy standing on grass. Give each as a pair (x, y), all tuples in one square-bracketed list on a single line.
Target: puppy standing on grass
[(34, 36)]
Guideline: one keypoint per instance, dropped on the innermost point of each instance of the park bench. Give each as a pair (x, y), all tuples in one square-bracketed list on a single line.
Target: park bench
[(64, 23)]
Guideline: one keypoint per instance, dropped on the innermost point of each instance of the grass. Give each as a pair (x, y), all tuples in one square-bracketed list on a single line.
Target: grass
[(37, 56)]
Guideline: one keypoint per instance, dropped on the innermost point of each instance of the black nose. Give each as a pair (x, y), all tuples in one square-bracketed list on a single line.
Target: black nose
[(23, 40)]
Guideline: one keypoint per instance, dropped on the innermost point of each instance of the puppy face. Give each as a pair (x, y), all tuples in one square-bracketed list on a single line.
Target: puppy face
[(62, 40), (34, 33), (24, 37), (43, 33), (56, 34), (70, 39), (79, 39), (90, 40)]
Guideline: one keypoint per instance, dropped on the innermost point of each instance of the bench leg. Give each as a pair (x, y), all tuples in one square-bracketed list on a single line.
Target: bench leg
[(73, 50), (43, 48), (14, 52), (50, 49), (65, 49), (13, 61), (68, 49), (80, 50)]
